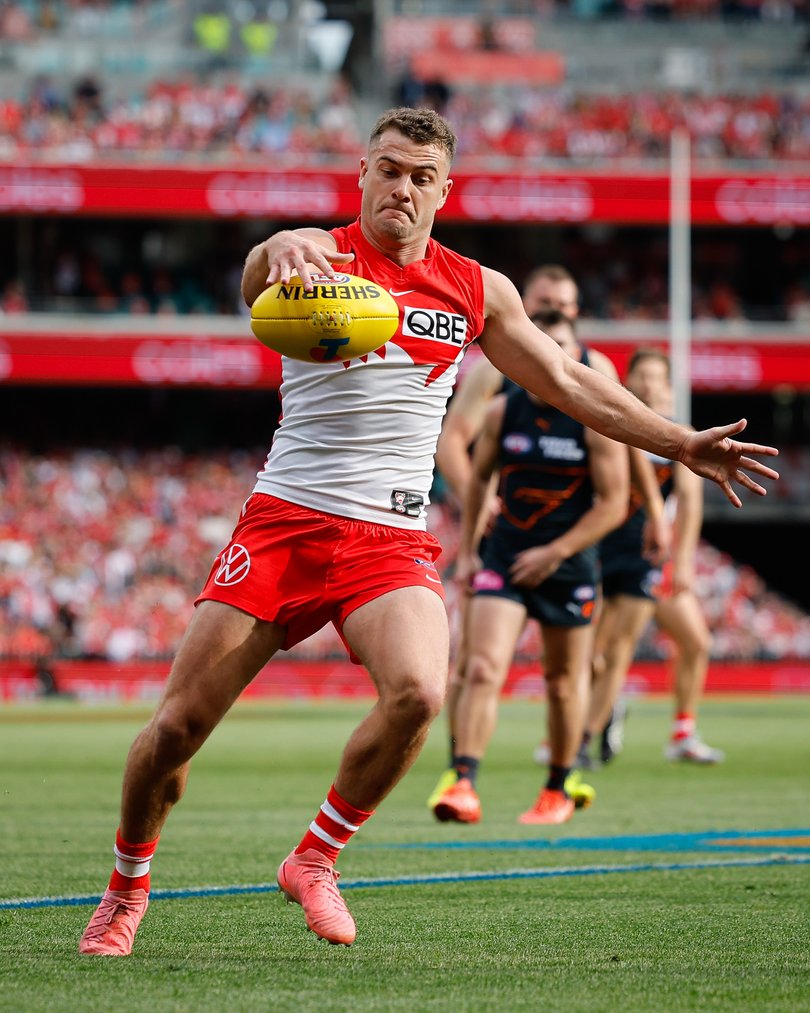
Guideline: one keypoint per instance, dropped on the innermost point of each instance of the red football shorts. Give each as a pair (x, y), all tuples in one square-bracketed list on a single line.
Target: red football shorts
[(300, 568)]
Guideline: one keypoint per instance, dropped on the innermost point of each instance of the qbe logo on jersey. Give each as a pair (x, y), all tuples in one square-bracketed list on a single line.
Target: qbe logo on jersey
[(434, 325), (234, 565)]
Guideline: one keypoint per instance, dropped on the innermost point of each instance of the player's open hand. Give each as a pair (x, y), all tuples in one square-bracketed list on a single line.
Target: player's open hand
[(467, 565), (656, 540), (290, 253), (532, 566), (712, 453)]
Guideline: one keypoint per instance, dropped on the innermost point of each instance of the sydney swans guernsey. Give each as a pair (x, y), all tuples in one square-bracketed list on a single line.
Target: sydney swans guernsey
[(357, 438)]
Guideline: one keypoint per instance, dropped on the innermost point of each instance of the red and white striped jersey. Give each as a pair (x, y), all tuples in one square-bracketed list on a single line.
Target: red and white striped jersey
[(357, 438)]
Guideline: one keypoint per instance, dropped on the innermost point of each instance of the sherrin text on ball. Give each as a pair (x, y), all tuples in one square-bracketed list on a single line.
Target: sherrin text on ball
[(342, 318)]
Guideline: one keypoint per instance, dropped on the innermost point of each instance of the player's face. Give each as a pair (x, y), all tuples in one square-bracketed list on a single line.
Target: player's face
[(649, 381), (566, 339), (548, 294), (404, 184)]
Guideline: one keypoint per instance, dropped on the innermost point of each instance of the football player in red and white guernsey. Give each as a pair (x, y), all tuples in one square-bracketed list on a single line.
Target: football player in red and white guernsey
[(335, 528)]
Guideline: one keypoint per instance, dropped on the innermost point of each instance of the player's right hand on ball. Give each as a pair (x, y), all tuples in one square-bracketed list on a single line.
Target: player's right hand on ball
[(290, 253)]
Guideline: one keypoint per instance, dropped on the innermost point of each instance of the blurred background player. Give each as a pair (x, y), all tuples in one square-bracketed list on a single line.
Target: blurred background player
[(550, 287), (634, 593), (562, 487)]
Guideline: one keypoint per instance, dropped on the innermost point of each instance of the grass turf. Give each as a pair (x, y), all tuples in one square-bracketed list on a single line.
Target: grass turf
[(718, 938)]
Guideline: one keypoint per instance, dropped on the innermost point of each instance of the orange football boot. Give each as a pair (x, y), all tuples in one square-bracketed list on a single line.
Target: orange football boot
[(111, 930), (458, 803), (310, 879), (551, 807)]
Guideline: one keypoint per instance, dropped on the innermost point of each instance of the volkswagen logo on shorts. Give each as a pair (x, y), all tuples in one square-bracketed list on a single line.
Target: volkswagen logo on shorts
[(234, 565)]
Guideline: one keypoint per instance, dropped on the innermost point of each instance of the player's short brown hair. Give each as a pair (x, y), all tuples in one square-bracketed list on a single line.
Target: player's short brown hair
[(422, 126), (554, 272), (645, 354)]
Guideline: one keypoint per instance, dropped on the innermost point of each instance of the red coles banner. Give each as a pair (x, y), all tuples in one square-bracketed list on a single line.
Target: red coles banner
[(294, 193), (229, 356)]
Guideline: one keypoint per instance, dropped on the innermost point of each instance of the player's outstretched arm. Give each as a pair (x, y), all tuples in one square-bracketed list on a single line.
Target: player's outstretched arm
[(520, 350), (291, 251)]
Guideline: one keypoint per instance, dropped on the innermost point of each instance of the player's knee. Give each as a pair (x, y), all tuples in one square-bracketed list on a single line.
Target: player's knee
[(416, 702), (482, 673), (696, 645), (559, 688), (175, 736)]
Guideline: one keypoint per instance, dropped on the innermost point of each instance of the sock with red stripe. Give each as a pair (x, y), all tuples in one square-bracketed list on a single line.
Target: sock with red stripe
[(683, 726), (333, 827), (132, 862)]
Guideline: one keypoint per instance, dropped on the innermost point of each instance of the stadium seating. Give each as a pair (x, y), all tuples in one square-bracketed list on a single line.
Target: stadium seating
[(165, 120)]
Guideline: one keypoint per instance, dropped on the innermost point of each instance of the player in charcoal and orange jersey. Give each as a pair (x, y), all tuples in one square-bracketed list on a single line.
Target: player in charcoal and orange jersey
[(548, 287), (335, 528), (562, 488), (634, 593)]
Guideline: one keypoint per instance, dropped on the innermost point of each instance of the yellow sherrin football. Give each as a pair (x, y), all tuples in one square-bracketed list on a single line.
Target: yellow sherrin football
[(341, 318)]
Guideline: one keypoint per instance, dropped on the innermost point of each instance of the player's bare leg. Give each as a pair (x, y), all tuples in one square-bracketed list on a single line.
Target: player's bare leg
[(455, 683), (222, 651), (495, 625), (402, 639), (680, 616), (567, 657), (621, 623)]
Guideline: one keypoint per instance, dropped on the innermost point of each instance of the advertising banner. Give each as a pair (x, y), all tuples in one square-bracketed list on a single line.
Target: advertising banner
[(301, 193)]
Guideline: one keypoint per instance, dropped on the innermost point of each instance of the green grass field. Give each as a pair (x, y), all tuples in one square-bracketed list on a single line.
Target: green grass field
[(636, 936)]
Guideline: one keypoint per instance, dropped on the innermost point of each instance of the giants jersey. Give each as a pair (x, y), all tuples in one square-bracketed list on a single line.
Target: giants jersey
[(628, 539), (357, 439), (545, 478)]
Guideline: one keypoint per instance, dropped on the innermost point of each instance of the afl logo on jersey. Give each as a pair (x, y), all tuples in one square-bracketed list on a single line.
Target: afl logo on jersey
[(517, 443), (234, 565)]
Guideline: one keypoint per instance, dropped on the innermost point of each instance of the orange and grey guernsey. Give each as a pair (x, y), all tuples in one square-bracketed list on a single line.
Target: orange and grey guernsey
[(545, 478), (357, 439), (628, 538)]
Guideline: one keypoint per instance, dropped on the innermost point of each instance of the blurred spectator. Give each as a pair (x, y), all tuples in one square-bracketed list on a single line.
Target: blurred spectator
[(12, 298), (797, 304), (412, 91), (15, 24)]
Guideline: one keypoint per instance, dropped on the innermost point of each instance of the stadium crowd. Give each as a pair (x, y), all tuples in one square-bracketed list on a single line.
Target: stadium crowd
[(622, 278), (185, 119), (113, 571), (531, 123)]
